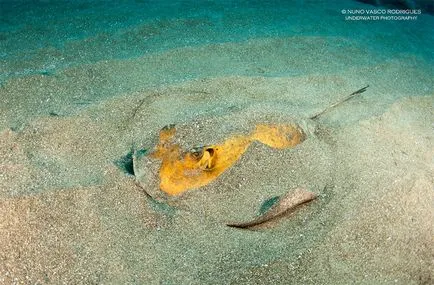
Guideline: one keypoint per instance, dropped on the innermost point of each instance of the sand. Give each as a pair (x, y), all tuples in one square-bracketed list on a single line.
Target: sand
[(71, 214)]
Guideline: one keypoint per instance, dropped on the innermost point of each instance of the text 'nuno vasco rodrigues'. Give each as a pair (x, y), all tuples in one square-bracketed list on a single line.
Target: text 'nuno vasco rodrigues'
[(381, 14)]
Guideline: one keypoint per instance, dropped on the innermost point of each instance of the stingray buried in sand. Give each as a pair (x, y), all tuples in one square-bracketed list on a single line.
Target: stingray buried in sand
[(181, 171)]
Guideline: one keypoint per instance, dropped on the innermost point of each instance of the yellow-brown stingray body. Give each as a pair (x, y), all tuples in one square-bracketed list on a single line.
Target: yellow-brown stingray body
[(182, 171)]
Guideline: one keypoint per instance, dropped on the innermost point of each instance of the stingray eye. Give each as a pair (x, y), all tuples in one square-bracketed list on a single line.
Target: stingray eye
[(211, 151)]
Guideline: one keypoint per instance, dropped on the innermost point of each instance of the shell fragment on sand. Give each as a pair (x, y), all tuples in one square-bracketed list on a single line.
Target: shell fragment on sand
[(285, 204)]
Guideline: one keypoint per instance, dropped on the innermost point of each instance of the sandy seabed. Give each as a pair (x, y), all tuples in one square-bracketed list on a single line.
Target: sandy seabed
[(71, 215)]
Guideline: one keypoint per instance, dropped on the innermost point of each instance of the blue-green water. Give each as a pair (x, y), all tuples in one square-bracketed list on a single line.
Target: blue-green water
[(43, 37)]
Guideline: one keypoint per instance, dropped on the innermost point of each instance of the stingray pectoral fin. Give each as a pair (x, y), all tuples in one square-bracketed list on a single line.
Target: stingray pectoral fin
[(286, 203)]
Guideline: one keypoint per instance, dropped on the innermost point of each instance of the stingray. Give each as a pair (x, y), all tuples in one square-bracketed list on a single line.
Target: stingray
[(184, 170)]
